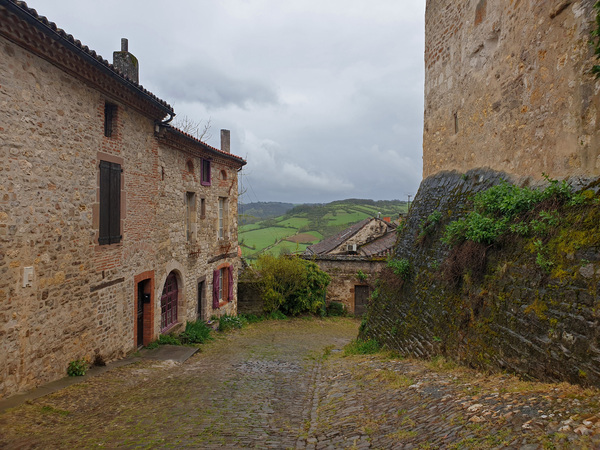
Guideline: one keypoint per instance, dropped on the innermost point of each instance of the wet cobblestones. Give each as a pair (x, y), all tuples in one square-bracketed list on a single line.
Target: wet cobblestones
[(287, 385)]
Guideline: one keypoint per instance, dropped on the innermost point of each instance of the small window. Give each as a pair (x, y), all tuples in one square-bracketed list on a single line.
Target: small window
[(455, 122), (109, 230), (222, 226), (110, 117), (202, 208), (223, 175), (205, 172), (190, 223)]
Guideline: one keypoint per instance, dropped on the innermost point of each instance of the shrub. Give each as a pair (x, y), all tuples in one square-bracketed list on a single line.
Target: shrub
[(197, 332), (227, 322), (289, 284), (336, 309), (77, 368), (400, 267), (251, 318), (168, 339), (276, 315)]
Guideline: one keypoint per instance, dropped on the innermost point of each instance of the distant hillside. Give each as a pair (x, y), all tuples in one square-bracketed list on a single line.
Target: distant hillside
[(254, 212), (304, 225)]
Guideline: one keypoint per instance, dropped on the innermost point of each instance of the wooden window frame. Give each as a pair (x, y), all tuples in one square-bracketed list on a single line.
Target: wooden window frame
[(205, 172)]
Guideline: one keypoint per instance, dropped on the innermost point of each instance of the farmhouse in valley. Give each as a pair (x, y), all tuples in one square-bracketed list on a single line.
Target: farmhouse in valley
[(352, 258), (115, 226)]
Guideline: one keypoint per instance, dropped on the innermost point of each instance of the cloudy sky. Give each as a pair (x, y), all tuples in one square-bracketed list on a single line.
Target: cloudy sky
[(324, 98)]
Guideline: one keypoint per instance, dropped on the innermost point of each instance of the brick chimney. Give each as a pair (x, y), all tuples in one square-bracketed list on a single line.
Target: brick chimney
[(225, 141), (126, 63)]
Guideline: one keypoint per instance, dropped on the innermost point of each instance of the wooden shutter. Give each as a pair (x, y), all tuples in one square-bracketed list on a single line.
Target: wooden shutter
[(216, 279), (109, 231), (230, 283), (115, 203)]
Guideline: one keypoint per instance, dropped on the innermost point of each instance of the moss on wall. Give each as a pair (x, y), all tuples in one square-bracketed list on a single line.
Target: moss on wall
[(542, 322)]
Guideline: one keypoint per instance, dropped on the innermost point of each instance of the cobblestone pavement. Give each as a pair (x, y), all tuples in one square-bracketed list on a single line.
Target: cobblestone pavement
[(287, 384)]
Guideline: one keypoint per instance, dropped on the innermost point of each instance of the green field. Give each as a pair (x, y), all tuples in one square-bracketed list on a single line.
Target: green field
[(270, 235)]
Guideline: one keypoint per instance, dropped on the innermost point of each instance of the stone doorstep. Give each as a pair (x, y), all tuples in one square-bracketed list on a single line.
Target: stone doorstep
[(163, 353)]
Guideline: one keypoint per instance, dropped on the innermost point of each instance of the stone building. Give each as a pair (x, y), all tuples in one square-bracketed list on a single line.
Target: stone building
[(115, 227), (352, 258), (508, 87)]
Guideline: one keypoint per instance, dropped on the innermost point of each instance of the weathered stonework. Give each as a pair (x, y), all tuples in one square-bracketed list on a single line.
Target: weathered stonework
[(346, 274), (508, 96), (508, 86), (82, 299), (515, 317)]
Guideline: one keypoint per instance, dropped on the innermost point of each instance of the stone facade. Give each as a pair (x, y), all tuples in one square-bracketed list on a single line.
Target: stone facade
[(349, 275), (63, 295), (352, 258), (508, 86)]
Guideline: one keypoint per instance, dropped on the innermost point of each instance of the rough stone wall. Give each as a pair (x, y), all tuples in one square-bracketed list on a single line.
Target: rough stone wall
[(508, 87), (344, 276), (515, 317), (82, 299), (195, 260)]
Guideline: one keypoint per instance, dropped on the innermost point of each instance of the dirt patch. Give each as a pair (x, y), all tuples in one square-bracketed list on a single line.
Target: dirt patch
[(303, 238)]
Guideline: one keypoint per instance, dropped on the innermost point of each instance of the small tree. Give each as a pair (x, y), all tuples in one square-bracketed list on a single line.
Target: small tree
[(197, 129), (289, 284)]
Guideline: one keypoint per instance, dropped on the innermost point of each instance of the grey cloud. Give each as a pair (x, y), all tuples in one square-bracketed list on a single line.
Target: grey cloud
[(213, 88)]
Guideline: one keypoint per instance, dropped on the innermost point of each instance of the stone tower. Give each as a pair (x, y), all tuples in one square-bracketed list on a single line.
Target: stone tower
[(508, 87)]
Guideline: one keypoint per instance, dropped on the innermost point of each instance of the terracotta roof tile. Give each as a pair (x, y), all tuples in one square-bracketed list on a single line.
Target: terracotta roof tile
[(51, 27)]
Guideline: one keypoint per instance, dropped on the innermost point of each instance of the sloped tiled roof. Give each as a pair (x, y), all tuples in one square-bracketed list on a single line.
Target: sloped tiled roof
[(49, 28), (326, 245), (210, 148), (381, 246)]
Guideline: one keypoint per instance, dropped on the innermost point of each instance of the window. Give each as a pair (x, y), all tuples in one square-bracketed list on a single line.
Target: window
[(110, 203), (202, 208), (190, 214), (222, 286), (205, 179), (110, 116), (168, 302), (222, 218)]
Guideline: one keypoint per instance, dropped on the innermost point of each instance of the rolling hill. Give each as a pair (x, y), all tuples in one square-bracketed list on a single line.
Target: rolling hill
[(304, 225)]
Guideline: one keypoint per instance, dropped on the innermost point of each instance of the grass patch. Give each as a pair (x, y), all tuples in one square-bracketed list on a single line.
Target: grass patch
[(362, 347)]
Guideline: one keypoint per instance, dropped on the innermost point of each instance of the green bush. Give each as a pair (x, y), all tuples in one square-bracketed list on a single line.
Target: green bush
[(197, 332), (506, 207), (227, 322), (276, 315), (168, 339), (336, 309), (77, 368), (251, 318), (400, 267), (289, 284)]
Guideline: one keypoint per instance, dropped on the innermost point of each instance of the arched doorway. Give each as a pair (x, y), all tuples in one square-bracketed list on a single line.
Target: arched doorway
[(168, 302)]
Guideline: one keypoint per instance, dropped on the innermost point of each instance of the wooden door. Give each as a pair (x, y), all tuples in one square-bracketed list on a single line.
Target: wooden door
[(361, 299), (140, 314)]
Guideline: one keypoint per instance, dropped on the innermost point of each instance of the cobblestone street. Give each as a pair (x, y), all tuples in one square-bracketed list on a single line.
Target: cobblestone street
[(287, 384)]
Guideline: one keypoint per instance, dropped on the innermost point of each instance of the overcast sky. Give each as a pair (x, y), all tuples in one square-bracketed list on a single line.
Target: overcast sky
[(324, 98)]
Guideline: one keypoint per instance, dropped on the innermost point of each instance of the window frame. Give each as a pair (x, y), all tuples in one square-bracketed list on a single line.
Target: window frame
[(205, 172), (110, 118)]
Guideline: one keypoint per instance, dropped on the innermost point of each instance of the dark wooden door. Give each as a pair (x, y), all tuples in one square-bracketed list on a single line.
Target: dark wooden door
[(140, 314), (201, 301), (361, 299)]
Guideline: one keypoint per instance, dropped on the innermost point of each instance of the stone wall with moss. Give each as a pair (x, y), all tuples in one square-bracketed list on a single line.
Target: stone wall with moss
[(505, 307)]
